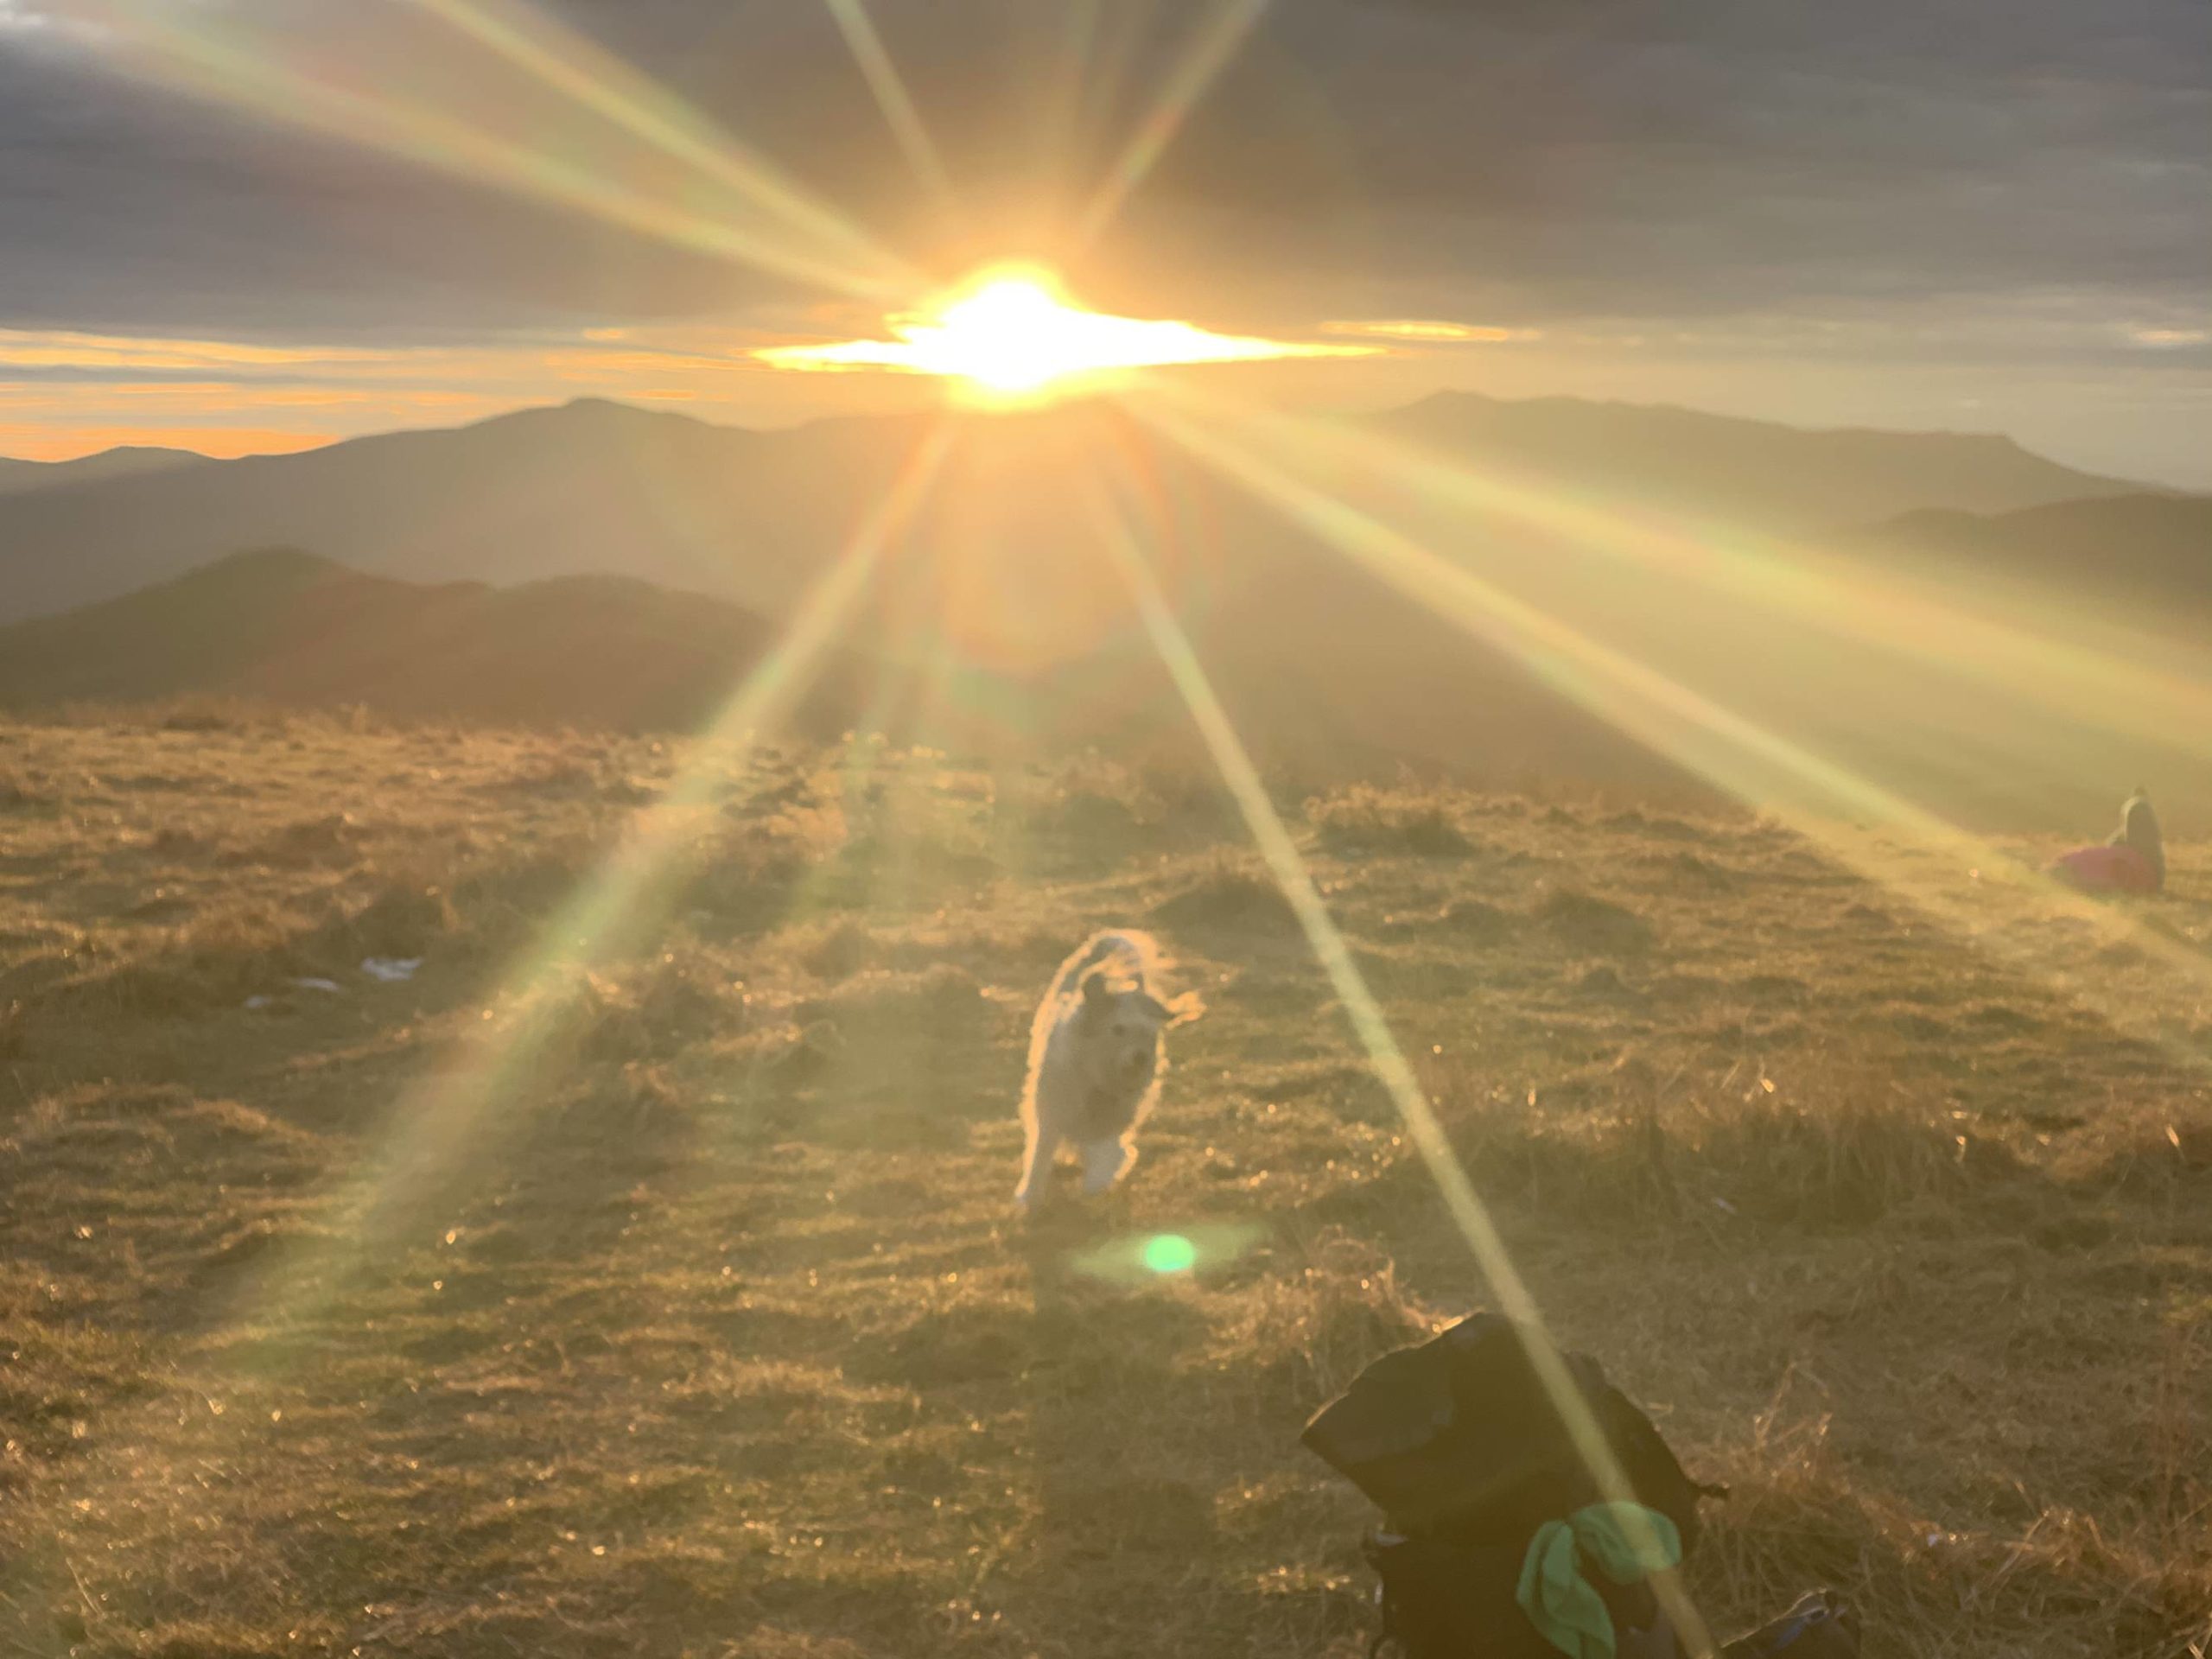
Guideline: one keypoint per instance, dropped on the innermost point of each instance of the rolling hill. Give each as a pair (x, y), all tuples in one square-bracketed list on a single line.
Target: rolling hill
[(1325, 675), (613, 652), (2147, 552), (594, 487), (293, 628)]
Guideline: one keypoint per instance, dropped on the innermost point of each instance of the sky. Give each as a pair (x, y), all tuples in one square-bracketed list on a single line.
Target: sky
[(238, 225)]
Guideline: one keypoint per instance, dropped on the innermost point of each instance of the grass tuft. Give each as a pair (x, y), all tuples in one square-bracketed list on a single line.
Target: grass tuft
[(1227, 898), (1362, 820), (1583, 922)]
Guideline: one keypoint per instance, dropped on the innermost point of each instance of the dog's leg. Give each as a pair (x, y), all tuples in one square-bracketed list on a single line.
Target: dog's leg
[(1036, 1166), (1104, 1162)]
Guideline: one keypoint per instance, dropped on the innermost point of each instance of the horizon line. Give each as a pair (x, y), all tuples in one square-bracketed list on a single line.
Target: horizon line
[(315, 443)]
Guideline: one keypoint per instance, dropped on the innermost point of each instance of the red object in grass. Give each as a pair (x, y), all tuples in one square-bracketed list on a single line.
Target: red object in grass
[(2106, 869)]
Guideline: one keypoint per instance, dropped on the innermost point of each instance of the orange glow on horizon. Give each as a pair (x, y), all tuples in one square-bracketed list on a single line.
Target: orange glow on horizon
[(24, 442)]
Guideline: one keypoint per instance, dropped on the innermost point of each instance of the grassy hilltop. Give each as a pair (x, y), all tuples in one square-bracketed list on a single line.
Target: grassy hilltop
[(670, 1301)]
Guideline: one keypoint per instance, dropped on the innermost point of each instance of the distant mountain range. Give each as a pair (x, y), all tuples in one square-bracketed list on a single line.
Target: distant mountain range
[(597, 565), (596, 487), (589, 489), (1753, 474)]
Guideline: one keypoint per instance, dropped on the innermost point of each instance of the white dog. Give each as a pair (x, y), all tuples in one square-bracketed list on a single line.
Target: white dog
[(1096, 1059)]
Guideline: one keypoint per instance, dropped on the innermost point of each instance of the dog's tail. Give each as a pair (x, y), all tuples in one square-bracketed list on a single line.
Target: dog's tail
[(1137, 953)]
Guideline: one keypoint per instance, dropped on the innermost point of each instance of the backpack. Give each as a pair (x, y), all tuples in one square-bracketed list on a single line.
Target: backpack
[(1459, 1445)]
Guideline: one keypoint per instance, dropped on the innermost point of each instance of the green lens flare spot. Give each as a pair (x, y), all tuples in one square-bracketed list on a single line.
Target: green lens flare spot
[(1169, 1253)]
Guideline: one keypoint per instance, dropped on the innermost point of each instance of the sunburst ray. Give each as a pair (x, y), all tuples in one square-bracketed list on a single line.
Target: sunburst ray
[(443, 1122), (1210, 46), (594, 78), (196, 51), (1372, 1028), (1822, 799), (900, 113), (2125, 687)]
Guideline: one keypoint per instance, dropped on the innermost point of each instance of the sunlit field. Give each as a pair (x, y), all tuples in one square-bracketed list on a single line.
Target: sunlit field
[(666, 1295)]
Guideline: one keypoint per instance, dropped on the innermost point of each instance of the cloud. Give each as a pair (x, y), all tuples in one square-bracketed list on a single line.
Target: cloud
[(22, 349), (1547, 161), (2169, 339), (1414, 331)]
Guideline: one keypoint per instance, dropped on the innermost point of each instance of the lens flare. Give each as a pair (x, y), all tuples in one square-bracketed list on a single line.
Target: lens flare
[(1169, 1253), (1011, 333), (1132, 1261)]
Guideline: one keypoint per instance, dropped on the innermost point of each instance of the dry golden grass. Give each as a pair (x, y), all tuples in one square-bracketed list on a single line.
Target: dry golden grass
[(710, 1332)]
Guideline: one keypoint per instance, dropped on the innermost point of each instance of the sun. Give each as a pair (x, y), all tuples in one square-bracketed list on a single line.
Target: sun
[(1014, 334), (1011, 333)]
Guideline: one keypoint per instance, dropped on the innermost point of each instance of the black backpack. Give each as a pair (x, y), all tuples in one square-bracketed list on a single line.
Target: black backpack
[(1459, 1443)]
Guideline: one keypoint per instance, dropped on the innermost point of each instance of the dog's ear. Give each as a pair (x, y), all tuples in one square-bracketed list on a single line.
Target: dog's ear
[(1095, 990)]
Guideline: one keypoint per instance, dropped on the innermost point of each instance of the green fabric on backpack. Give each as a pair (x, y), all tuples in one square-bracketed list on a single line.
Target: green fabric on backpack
[(1564, 1605)]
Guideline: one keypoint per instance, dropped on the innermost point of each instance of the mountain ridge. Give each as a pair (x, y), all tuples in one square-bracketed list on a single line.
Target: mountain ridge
[(752, 513), (1451, 395), (1763, 474), (291, 627), (122, 461)]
